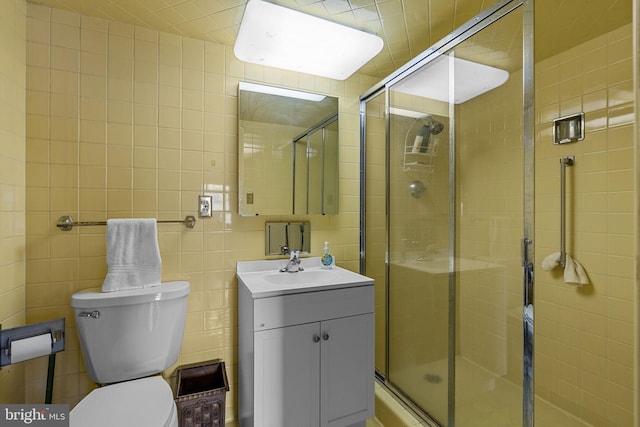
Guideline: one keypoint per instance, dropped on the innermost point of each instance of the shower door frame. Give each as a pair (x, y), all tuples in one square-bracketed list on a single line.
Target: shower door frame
[(448, 43)]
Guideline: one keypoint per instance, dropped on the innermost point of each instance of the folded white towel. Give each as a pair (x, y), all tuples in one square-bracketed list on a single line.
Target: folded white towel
[(133, 254), (574, 274), (551, 261), (573, 271)]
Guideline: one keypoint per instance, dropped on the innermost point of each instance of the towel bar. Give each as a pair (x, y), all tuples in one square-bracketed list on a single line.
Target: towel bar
[(564, 163), (66, 223)]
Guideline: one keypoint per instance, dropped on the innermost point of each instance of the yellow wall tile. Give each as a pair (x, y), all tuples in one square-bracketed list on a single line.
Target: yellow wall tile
[(65, 17), (64, 59), (120, 179), (13, 147), (38, 28), (126, 137), (173, 80), (120, 134), (64, 35), (600, 233), (38, 54)]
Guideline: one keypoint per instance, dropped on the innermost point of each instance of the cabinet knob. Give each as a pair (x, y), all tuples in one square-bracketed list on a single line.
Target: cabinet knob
[(316, 338), (325, 336)]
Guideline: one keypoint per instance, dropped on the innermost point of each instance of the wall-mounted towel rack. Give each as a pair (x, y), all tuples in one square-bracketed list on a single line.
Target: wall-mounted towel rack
[(66, 223), (564, 163)]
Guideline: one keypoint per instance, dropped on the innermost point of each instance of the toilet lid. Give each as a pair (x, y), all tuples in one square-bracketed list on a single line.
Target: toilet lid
[(137, 403)]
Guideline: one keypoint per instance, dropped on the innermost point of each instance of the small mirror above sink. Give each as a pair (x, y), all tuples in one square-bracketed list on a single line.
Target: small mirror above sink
[(282, 238)]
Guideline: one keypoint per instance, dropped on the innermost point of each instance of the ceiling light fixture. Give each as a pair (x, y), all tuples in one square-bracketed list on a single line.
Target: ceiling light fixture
[(470, 79), (280, 91), (280, 37)]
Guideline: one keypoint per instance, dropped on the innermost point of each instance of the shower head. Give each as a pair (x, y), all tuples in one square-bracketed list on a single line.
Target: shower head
[(422, 138), (435, 126)]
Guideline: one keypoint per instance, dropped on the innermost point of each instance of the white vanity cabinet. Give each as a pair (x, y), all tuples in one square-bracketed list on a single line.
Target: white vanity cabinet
[(306, 355)]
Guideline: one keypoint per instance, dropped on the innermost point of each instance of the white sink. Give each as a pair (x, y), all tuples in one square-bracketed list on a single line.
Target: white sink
[(306, 277), (263, 278)]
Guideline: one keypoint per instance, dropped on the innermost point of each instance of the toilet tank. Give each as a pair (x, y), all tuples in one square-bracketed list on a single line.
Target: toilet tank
[(130, 334)]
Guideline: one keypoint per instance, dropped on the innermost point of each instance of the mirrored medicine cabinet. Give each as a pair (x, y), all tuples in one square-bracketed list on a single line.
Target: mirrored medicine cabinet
[(287, 151)]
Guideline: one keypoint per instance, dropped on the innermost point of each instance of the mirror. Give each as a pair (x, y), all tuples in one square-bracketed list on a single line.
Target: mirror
[(287, 151), (283, 237)]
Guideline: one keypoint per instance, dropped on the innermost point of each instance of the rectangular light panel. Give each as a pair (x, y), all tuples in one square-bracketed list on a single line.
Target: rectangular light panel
[(470, 79), (280, 37), (279, 91)]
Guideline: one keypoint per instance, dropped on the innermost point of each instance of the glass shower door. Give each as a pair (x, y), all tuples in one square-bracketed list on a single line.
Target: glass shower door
[(454, 222), (419, 243), (374, 218)]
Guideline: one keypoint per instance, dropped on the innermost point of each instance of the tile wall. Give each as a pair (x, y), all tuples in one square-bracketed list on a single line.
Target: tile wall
[(585, 336), (127, 122), (12, 187)]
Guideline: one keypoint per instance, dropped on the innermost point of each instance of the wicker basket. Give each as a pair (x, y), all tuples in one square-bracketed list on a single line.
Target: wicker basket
[(200, 394)]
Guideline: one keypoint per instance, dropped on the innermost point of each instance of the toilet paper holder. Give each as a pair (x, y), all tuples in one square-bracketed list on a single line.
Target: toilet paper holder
[(55, 330)]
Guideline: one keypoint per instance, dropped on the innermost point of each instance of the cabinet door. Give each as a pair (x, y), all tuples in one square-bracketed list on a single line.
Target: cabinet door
[(347, 370), (287, 376)]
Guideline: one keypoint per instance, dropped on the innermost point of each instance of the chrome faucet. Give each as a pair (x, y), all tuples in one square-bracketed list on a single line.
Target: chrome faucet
[(293, 266)]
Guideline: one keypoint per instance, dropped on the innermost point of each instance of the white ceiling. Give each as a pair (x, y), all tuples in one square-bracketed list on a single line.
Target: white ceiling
[(408, 27)]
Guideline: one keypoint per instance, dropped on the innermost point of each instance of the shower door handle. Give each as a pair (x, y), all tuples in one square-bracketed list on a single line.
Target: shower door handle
[(528, 284), (527, 270)]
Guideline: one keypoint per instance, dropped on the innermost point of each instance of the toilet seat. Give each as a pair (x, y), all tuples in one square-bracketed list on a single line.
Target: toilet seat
[(137, 403)]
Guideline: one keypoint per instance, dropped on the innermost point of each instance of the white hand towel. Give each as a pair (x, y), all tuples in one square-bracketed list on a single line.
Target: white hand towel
[(551, 261), (133, 254), (573, 272)]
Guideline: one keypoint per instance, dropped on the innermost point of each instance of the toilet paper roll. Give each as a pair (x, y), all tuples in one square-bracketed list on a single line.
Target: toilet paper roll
[(30, 348)]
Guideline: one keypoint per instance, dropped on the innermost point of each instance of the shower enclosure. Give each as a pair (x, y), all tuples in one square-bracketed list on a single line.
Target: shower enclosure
[(447, 203), (447, 227)]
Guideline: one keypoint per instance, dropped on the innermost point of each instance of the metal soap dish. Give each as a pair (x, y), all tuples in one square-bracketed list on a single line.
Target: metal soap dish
[(568, 129)]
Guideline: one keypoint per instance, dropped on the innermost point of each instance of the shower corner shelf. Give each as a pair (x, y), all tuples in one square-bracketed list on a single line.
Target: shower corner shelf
[(419, 161)]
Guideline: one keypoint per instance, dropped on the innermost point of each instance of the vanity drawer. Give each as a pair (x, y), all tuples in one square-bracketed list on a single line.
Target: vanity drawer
[(295, 309)]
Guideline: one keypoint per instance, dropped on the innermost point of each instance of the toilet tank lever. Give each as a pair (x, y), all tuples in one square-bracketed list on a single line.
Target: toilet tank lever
[(93, 314)]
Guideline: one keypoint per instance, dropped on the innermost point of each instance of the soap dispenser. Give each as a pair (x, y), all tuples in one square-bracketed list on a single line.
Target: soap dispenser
[(327, 259)]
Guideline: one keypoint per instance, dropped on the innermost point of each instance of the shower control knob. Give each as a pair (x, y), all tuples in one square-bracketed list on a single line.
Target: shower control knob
[(325, 336), (316, 338)]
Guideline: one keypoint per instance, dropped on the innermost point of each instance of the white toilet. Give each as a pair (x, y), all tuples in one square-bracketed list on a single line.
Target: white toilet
[(126, 338)]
